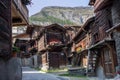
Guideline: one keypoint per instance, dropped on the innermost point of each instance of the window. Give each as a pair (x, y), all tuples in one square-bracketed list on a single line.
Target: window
[(96, 37)]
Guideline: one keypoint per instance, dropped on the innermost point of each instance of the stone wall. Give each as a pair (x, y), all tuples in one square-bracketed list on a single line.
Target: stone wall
[(35, 57), (117, 42), (116, 12), (116, 20)]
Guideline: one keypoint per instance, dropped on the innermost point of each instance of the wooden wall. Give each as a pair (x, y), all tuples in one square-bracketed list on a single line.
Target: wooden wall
[(44, 59), (57, 59), (41, 43), (5, 28)]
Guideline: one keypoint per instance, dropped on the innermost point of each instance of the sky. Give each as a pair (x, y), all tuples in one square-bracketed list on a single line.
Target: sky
[(37, 5)]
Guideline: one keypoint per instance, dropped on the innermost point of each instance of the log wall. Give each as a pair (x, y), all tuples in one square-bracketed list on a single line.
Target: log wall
[(5, 28)]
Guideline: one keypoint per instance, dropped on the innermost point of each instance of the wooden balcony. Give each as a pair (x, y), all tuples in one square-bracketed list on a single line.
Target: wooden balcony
[(19, 13)]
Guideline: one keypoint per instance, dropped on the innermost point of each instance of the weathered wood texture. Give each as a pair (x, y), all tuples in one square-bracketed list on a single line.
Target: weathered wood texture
[(41, 43), (103, 22), (56, 59), (44, 59), (5, 28), (19, 13)]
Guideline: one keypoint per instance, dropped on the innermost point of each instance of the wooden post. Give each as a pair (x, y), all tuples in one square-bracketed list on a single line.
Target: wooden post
[(88, 60)]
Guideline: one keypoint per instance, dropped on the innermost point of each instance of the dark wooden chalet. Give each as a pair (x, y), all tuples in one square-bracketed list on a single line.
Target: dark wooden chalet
[(102, 52), (12, 12), (51, 43), (24, 46), (71, 31), (81, 43), (28, 41)]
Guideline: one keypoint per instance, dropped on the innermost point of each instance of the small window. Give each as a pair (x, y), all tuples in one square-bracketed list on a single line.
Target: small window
[(96, 37)]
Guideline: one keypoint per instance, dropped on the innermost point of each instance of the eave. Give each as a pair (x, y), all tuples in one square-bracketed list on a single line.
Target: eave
[(82, 28), (19, 13), (116, 27), (101, 43)]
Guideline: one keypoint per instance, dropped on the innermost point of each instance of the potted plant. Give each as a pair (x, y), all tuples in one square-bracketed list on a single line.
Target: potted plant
[(15, 50)]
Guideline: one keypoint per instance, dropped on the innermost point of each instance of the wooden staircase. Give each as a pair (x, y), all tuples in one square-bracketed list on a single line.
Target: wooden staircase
[(92, 63)]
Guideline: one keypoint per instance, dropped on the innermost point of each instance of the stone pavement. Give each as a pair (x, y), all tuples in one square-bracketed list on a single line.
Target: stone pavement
[(31, 74)]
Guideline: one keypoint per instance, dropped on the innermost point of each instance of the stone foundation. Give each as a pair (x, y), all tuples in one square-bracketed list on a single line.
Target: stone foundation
[(117, 43), (10, 70)]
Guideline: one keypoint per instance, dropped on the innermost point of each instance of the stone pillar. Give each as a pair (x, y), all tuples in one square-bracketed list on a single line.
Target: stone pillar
[(11, 69), (88, 61), (35, 61), (116, 12), (14, 69), (116, 20), (117, 43), (3, 70)]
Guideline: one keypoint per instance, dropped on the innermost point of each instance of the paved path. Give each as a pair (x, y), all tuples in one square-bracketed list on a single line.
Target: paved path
[(31, 74)]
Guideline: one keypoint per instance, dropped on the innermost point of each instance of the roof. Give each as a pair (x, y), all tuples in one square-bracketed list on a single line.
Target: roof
[(23, 35), (84, 25), (55, 26), (31, 28)]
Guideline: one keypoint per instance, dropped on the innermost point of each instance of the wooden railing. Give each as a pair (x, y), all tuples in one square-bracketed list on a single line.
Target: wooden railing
[(22, 8)]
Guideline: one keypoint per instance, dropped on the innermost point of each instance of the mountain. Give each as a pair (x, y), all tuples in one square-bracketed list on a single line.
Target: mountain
[(62, 15)]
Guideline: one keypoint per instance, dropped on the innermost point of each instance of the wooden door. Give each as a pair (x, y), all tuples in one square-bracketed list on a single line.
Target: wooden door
[(54, 60), (108, 63)]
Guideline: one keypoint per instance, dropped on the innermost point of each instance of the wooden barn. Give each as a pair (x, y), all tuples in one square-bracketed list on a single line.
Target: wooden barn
[(51, 43)]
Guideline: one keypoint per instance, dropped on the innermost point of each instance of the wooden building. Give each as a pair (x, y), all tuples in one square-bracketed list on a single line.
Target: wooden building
[(28, 46), (51, 43), (71, 31), (22, 41), (13, 13), (81, 43), (102, 53)]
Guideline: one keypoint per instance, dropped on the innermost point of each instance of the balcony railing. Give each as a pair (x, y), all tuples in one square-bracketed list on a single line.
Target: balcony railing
[(22, 9)]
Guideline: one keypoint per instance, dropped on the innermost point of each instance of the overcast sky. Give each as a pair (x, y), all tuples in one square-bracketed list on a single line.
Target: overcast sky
[(37, 5)]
